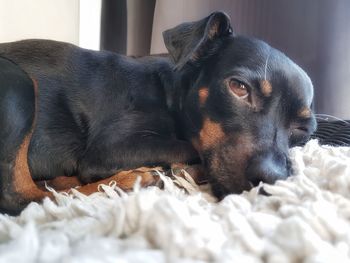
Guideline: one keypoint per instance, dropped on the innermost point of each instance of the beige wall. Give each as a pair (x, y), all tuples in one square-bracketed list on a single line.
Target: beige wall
[(90, 24), (50, 19)]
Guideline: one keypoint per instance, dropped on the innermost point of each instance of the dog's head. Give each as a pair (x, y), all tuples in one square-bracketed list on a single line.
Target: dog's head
[(244, 103)]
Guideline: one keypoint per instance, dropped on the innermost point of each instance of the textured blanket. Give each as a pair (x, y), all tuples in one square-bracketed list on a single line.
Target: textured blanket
[(304, 219)]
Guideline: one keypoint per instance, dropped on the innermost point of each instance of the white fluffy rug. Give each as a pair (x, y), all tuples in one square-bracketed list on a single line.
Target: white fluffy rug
[(306, 219)]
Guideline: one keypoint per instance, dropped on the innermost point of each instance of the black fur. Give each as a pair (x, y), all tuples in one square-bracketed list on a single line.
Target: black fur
[(17, 106), (100, 112)]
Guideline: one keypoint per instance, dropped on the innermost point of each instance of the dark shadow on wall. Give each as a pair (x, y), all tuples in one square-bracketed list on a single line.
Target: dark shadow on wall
[(113, 26), (126, 26)]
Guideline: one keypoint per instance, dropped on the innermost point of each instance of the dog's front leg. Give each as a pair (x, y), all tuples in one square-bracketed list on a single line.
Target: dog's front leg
[(101, 162), (125, 180)]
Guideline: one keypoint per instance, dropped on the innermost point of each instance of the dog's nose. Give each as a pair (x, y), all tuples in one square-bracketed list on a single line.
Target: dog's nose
[(267, 167)]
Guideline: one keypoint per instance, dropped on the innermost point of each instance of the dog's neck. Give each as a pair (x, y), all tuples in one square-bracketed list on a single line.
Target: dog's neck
[(176, 93)]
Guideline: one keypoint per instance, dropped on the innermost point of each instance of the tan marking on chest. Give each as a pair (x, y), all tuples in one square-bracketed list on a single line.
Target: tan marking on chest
[(211, 134), (266, 88)]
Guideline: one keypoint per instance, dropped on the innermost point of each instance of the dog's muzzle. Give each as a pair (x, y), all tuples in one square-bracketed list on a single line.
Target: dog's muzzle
[(267, 167)]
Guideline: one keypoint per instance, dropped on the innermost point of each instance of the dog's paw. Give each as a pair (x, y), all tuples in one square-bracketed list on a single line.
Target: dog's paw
[(196, 171), (149, 177)]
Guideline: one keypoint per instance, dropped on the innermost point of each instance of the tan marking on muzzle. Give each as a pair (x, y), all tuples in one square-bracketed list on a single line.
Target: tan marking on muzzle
[(203, 94), (229, 162), (211, 134), (266, 88), (304, 113)]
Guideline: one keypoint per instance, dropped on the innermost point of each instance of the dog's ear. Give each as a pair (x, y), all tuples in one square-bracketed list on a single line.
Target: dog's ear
[(193, 41)]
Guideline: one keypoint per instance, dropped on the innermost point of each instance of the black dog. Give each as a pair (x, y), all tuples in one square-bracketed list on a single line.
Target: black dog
[(231, 102)]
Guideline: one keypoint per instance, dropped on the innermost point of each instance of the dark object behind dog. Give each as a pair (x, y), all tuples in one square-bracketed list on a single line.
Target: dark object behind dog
[(231, 102)]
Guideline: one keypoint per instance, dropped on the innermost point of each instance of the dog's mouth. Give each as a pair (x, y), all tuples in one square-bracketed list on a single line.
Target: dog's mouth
[(234, 170)]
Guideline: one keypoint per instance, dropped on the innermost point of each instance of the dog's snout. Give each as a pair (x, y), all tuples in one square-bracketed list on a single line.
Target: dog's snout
[(267, 167)]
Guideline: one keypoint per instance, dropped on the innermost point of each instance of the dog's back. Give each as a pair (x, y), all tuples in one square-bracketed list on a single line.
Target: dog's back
[(83, 94)]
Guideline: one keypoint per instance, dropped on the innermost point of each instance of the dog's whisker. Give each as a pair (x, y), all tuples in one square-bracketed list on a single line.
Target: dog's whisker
[(147, 132), (266, 63)]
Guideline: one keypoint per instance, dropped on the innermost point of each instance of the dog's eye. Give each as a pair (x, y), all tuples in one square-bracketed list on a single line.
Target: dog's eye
[(238, 88)]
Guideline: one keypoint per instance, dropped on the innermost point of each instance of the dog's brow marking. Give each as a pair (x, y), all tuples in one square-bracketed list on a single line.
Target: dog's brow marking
[(203, 95), (304, 113), (266, 87), (211, 134)]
